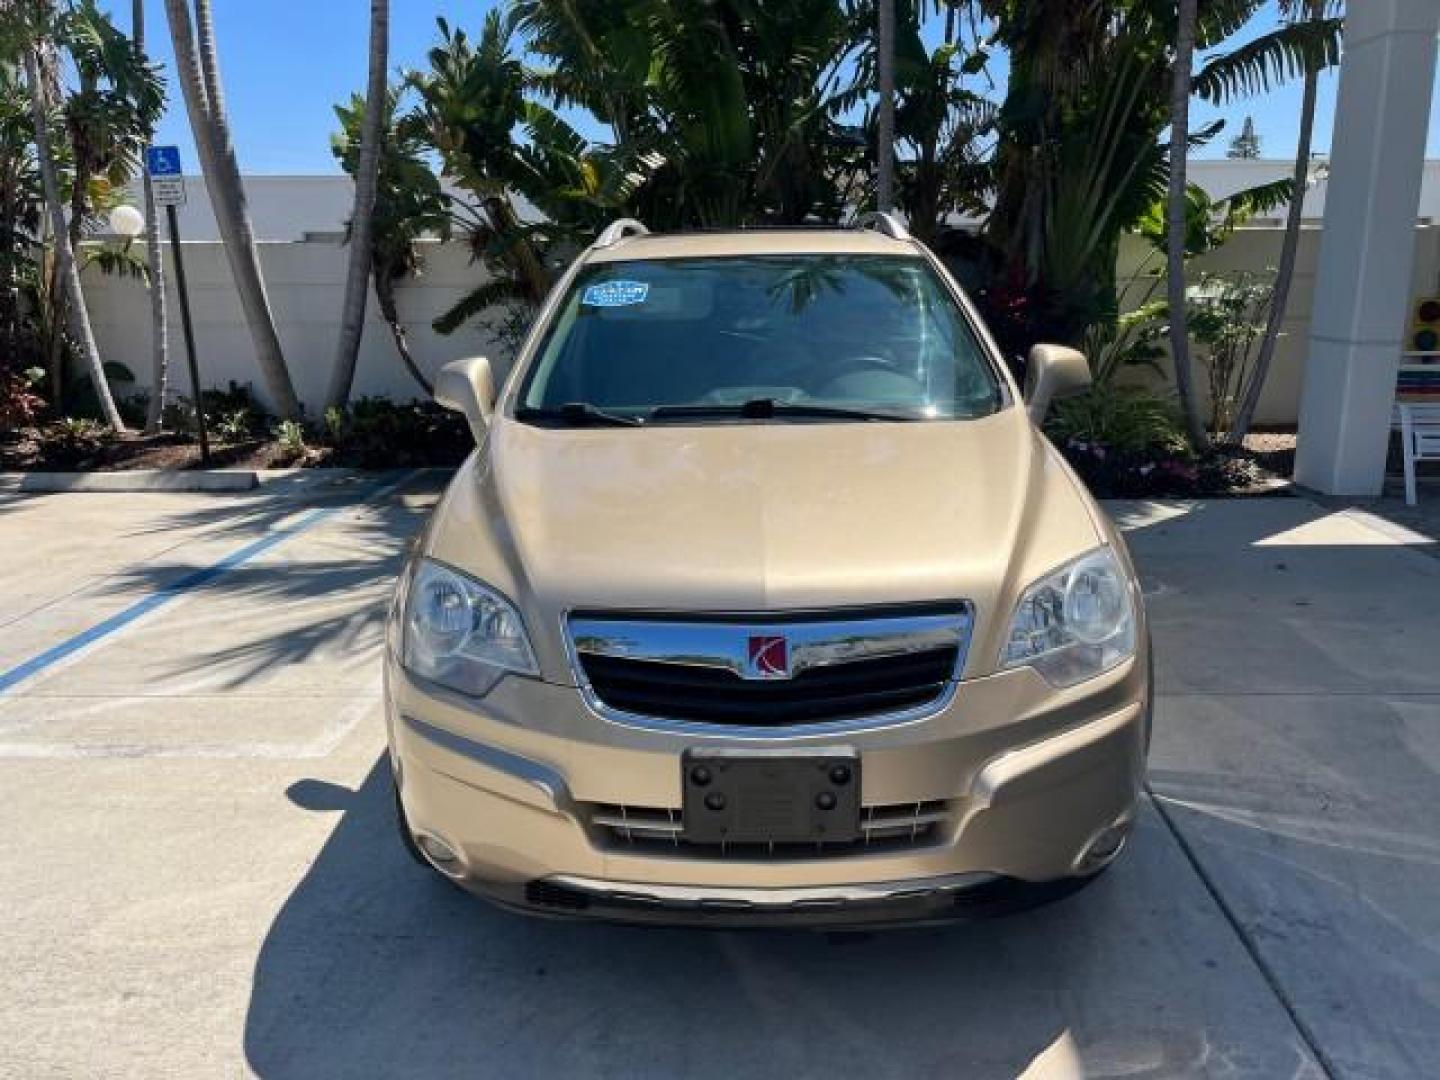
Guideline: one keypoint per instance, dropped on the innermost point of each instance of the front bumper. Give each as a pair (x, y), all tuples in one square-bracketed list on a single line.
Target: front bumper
[(1033, 780)]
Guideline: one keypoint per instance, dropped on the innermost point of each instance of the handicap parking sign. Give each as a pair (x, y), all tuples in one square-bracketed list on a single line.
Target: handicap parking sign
[(162, 161)]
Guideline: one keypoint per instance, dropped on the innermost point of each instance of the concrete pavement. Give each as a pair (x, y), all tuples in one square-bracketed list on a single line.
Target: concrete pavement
[(199, 875)]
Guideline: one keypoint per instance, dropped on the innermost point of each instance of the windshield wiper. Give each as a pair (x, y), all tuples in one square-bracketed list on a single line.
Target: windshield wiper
[(579, 414), (768, 408)]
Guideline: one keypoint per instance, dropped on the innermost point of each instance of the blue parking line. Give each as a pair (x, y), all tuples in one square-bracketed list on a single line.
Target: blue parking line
[(141, 608)]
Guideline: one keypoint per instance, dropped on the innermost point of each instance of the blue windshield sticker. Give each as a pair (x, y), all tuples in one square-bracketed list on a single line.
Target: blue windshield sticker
[(615, 294)]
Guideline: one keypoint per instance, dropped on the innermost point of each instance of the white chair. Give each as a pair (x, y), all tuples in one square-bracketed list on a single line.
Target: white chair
[(1419, 424)]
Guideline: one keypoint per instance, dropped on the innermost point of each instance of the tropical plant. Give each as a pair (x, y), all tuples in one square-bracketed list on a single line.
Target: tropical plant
[(724, 113), (1135, 337), (472, 102), (41, 25), (1294, 48), (198, 67), (365, 173), (1229, 313), (21, 213), (1315, 12), (97, 94), (1131, 340), (1080, 154), (942, 126), (290, 440), (109, 112), (1127, 419), (234, 426), (473, 112), (409, 205)]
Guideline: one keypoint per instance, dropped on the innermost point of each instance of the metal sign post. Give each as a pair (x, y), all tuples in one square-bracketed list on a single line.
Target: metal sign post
[(168, 184)]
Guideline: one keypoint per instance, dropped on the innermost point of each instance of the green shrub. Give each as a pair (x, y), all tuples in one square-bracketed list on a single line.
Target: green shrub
[(377, 433), (1129, 419), (238, 425), (74, 439), (290, 437)]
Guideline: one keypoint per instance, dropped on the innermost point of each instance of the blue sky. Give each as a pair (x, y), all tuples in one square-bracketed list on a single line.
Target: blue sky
[(285, 62)]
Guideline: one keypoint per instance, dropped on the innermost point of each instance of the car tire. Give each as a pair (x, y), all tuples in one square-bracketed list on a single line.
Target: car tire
[(406, 837)]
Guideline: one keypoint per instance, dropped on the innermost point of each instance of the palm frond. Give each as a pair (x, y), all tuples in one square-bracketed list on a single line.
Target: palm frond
[(499, 290), (1260, 65)]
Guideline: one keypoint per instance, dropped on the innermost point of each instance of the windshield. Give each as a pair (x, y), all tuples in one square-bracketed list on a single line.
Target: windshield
[(802, 336)]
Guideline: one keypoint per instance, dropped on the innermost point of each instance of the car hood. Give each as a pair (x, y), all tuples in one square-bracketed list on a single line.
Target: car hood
[(762, 517)]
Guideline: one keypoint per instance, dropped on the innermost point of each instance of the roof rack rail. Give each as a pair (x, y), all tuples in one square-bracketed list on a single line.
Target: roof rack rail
[(618, 230), (883, 222)]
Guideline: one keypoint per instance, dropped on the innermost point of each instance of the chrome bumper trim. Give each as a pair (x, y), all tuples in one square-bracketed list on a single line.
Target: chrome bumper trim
[(545, 780), (704, 897)]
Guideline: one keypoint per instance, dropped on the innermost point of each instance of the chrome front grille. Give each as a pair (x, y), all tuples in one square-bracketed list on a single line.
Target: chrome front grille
[(768, 671), (883, 828)]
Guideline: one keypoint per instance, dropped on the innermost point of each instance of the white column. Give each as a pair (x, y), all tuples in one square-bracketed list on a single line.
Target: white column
[(1362, 292)]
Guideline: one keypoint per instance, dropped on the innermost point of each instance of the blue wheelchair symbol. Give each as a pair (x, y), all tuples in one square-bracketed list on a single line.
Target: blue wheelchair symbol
[(163, 161)]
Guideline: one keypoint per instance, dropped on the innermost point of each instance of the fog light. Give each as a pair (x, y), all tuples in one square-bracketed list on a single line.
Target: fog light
[(1103, 847), (439, 852)]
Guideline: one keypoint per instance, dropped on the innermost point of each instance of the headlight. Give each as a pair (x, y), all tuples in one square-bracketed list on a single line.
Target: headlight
[(1075, 623), (459, 633)]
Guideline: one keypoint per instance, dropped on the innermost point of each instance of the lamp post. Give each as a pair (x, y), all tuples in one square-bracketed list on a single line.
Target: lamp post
[(129, 224)]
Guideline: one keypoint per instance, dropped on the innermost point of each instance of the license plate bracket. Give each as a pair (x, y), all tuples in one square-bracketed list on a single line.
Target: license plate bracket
[(771, 796)]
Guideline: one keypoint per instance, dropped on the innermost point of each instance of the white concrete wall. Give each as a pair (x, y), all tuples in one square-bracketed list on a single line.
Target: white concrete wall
[(287, 207), (281, 207), (306, 285), (306, 282), (290, 207), (1257, 249), (1221, 178)]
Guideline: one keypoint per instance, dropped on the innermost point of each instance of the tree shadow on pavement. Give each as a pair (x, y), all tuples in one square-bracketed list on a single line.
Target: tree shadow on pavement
[(323, 597), (378, 967)]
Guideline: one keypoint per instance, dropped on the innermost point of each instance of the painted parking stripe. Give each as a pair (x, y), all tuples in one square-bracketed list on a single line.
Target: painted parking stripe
[(198, 579)]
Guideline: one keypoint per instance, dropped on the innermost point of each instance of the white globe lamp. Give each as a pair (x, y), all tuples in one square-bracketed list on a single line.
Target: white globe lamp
[(126, 221)]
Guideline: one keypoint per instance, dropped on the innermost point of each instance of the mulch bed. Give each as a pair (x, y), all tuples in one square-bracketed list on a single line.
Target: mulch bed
[(29, 450), (1253, 471)]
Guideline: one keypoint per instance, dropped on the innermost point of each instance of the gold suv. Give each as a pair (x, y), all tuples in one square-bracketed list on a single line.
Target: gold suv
[(764, 600)]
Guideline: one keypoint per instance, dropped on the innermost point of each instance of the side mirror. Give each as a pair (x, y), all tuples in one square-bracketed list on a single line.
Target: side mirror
[(468, 387), (1053, 371)]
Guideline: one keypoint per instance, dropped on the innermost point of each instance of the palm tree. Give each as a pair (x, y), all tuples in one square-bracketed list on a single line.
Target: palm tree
[(1315, 11), (885, 139), (155, 257), (409, 205), (724, 112), (1081, 155), (21, 210), (471, 102), (352, 318), (198, 67), (1177, 221), (67, 272)]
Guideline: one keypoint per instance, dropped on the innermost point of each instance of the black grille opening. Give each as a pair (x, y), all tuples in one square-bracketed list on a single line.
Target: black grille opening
[(658, 831), (547, 894), (842, 691)]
